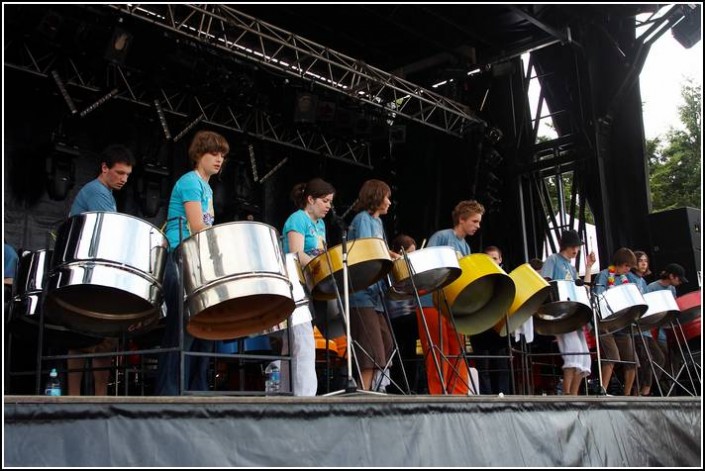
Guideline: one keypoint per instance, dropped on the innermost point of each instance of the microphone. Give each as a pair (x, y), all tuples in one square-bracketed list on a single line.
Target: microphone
[(339, 220)]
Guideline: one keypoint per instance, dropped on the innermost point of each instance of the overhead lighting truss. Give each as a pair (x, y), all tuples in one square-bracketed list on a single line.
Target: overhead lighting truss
[(225, 28), (118, 84)]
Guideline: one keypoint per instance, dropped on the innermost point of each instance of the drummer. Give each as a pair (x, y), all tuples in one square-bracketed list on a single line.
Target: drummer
[(97, 195), (305, 235), (467, 216), (572, 345), (368, 326), (190, 211), (620, 345), (671, 276)]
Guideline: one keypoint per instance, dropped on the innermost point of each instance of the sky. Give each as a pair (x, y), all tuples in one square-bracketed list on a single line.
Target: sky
[(665, 70)]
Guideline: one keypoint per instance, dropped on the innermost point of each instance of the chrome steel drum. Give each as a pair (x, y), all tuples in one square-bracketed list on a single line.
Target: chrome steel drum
[(26, 304), (431, 268), (368, 261), (566, 309), (480, 297), (662, 308), (106, 274), (235, 280), (619, 307), (531, 291)]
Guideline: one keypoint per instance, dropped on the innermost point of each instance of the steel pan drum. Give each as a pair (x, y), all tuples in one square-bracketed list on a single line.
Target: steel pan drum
[(662, 307), (368, 262), (431, 268), (690, 306), (619, 307), (301, 312), (26, 303), (480, 297), (235, 280), (106, 274), (566, 309), (531, 291)]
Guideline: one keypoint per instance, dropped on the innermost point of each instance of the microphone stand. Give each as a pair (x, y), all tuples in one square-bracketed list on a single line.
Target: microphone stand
[(351, 384)]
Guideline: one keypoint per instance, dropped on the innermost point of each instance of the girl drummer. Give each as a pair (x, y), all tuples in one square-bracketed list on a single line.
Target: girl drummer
[(369, 329), (305, 235)]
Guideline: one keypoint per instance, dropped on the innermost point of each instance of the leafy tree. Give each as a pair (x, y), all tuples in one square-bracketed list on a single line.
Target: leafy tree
[(675, 166)]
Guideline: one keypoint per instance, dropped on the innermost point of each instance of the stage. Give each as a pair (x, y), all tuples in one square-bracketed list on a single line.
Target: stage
[(353, 430)]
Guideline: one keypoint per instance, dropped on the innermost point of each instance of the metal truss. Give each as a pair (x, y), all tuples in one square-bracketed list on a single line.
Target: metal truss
[(225, 28), (114, 82)]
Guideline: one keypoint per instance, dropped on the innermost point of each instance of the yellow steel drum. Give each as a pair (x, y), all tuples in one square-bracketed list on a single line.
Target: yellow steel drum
[(531, 291), (368, 262), (480, 297)]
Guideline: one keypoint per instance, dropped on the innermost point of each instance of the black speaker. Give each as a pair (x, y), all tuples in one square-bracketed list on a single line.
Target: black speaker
[(688, 31), (676, 238)]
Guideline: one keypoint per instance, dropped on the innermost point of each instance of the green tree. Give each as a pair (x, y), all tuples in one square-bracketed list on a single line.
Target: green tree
[(675, 167)]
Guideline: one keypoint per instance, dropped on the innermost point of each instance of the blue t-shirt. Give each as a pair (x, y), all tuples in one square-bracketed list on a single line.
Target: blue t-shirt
[(365, 225), (601, 282), (190, 187), (557, 267), (10, 261), (448, 237), (657, 286), (314, 232), (94, 196)]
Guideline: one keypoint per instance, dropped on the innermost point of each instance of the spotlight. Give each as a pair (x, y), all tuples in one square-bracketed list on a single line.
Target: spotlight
[(305, 110), (118, 46), (61, 172), (494, 135)]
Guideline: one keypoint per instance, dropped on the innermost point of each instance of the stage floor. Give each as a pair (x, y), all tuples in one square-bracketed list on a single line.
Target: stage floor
[(355, 430)]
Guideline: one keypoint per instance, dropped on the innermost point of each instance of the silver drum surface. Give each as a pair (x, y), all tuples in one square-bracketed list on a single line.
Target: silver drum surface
[(567, 309), (106, 274), (432, 268), (235, 280), (662, 308), (26, 304), (619, 307)]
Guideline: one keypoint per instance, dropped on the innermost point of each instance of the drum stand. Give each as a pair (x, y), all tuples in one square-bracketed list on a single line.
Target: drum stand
[(351, 385), (686, 355), (595, 321), (652, 364)]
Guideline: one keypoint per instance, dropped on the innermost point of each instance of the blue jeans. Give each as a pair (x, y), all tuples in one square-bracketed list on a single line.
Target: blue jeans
[(195, 367)]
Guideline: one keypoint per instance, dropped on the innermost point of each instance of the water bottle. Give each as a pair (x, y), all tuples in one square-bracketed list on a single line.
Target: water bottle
[(53, 387), (272, 375)]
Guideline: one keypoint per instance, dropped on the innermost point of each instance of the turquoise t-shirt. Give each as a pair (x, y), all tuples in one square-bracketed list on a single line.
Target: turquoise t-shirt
[(190, 187), (314, 232)]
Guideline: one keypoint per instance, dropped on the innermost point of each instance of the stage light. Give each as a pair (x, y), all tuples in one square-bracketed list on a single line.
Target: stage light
[(494, 135), (64, 92), (305, 109), (118, 46), (152, 188), (61, 172), (162, 120)]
